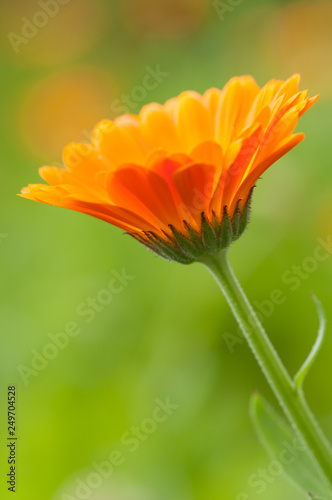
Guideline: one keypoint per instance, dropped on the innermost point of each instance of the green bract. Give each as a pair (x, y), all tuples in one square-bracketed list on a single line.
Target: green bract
[(188, 246)]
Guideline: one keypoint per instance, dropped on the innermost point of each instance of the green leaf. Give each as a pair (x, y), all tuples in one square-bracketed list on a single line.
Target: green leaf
[(299, 377), (282, 445)]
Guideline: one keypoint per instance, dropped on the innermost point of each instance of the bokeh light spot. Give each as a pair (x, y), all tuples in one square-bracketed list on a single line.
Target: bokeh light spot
[(298, 37), (165, 18), (49, 32), (64, 108)]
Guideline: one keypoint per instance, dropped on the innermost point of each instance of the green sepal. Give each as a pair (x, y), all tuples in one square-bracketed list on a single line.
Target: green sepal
[(208, 235), (245, 216), (216, 226), (185, 244), (158, 248), (167, 249), (138, 237), (236, 220), (194, 236), (226, 234)]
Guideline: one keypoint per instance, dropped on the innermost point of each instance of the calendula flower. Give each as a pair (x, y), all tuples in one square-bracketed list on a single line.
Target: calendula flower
[(178, 177)]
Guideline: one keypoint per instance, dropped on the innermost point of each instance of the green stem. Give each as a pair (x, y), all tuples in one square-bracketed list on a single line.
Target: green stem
[(289, 396)]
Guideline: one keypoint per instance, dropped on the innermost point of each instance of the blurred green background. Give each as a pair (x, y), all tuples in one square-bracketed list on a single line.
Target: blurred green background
[(164, 336)]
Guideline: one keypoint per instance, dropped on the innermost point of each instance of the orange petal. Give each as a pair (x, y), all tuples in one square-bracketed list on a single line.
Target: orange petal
[(195, 184), (211, 100), (165, 165), (231, 178), (53, 175), (117, 144), (310, 102), (208, 152), (62, 196), (143, 191), (118, 216), (85, 164), (289, 88), (158, 129), (288, 144), (234, 104), (194, 121)]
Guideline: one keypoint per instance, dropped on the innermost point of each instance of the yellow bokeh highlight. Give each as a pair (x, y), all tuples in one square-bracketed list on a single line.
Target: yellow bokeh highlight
[(64, 108), (298, 37), (165, 18), (50, 32)]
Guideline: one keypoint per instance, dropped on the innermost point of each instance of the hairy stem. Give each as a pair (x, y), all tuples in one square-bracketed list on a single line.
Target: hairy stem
[(290, 397)]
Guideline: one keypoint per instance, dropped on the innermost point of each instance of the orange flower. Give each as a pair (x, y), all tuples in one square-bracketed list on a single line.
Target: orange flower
[(178, 177)]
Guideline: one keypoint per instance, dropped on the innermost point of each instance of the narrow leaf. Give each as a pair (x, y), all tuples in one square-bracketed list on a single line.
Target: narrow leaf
[(282, 445), (299, 377)]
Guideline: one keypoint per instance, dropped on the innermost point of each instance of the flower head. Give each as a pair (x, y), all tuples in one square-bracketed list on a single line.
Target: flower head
[(178, 177)]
